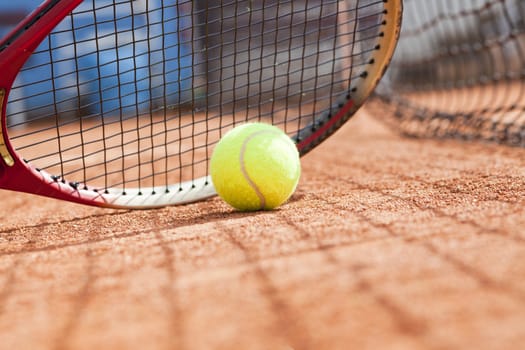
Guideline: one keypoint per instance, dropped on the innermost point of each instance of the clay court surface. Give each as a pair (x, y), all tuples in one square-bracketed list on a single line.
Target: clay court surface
[(388, 243)]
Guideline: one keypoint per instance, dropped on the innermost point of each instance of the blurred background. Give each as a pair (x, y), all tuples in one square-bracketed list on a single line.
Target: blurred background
[(466, 41), (122, 58), (94, 65)]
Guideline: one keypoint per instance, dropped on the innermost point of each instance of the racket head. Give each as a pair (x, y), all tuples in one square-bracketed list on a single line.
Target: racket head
[(167, 81)]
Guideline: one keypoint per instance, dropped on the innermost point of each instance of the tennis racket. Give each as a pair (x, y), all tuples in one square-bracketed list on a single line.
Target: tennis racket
[(119, 103)]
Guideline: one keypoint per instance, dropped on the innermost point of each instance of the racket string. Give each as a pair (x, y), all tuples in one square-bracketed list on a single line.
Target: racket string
[(136, 94)]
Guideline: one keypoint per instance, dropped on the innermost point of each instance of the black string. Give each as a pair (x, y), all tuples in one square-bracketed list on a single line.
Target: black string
[(281, 62), (466, 79)]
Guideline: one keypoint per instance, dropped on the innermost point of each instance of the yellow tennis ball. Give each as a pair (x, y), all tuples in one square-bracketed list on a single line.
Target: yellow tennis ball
[(255, 166)]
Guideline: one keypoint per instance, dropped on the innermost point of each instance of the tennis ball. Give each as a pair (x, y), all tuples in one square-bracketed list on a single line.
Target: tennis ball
[(255, 166)]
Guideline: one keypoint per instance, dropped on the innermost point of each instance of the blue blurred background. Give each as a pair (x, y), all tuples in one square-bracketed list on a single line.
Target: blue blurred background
[(119, 58)]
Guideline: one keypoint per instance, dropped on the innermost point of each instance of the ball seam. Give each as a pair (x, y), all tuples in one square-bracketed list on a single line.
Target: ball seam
[(253, 185)]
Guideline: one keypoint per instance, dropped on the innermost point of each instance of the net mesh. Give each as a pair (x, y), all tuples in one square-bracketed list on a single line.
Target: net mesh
[(459, 71), (136, 93)]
